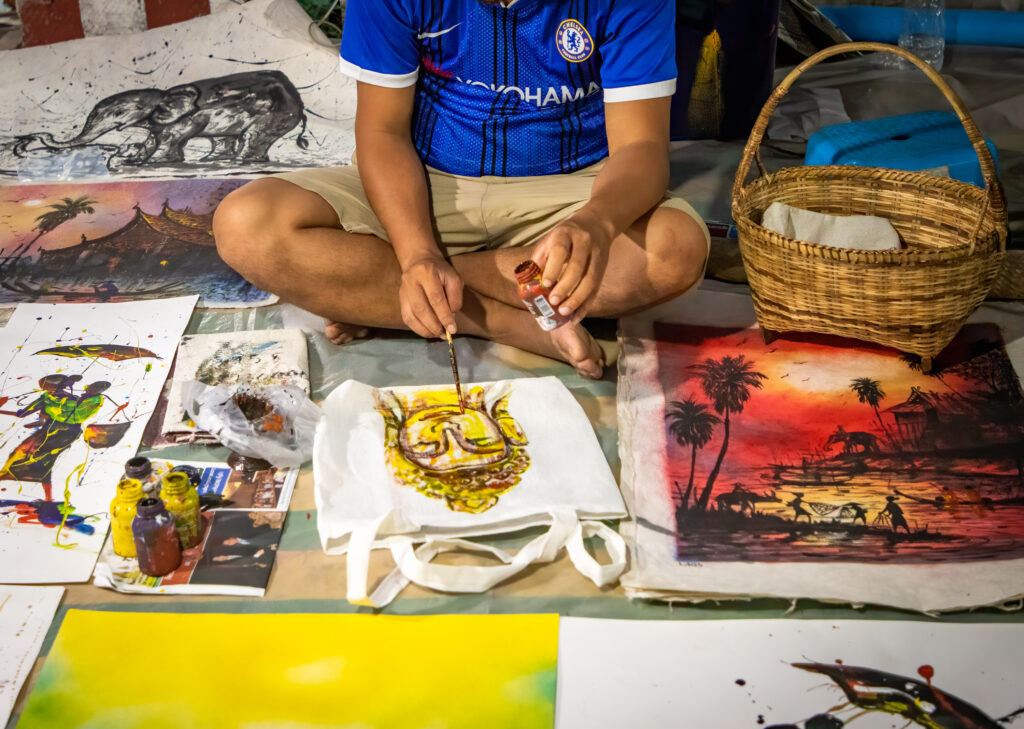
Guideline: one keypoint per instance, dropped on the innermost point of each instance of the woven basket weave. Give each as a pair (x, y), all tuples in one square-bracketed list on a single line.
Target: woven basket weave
[(914, 299)]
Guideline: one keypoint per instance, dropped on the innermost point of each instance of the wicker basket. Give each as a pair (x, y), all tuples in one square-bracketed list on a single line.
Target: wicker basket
[(914, 299)]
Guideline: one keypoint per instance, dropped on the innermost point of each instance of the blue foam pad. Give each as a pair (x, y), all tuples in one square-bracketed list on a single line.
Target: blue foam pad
[(922, 141), (967, 27)]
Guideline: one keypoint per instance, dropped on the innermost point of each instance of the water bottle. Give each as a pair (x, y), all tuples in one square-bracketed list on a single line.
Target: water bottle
[(924, 30)]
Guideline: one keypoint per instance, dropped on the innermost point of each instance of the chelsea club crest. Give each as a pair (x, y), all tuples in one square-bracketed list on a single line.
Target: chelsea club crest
[(573, 41)]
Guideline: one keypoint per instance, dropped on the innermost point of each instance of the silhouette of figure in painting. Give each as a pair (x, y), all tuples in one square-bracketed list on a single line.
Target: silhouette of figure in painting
[(895, 514), (855, 511), (106, 288), (60, 415), (798, 507)]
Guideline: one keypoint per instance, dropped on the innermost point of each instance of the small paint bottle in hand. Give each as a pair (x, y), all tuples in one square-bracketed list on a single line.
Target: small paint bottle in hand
[(122, 514), (156, 540), (537, 297), (182, 501)]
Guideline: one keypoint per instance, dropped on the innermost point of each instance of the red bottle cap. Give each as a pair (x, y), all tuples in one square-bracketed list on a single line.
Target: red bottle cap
[(527, 271)]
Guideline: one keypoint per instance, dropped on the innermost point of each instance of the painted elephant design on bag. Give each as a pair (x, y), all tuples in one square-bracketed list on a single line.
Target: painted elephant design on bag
[(242, 115)]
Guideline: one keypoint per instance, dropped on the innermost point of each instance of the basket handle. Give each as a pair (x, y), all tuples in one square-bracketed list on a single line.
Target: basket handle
[(752, 152)]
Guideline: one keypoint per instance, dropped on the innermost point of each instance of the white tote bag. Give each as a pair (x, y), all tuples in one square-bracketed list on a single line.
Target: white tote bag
[(402, 468)]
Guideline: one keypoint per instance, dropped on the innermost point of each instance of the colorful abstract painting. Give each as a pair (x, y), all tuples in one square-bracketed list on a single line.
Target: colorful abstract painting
[(241, 91), (789, 674), (300, 671), (819, 451), (243, 517), (120, 241), (25, 616), (78, 382)]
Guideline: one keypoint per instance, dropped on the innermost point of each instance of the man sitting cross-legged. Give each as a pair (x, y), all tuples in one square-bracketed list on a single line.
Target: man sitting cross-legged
[(487, 133)]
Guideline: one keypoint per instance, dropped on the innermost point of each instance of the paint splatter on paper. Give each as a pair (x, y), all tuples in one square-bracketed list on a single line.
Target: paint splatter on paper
[(68, 423)]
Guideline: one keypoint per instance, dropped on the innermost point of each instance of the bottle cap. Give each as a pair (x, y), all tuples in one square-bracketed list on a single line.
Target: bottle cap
[(129, 486), (193, 473), (527, 271), (176, 482), (138, 467), (150, 507)]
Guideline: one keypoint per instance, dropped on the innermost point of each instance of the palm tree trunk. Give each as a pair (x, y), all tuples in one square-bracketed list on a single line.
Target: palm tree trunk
[(705, 495), (689, 486), (17, 253)]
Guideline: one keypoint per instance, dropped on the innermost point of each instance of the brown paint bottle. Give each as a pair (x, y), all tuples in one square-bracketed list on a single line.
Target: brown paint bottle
[(537, 297)]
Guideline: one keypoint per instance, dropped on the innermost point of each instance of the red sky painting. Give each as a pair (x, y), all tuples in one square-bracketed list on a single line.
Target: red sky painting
[(943, 448)]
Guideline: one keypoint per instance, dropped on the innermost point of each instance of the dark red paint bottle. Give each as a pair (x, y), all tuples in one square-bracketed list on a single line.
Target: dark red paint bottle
[(156, 539), (537, 297)]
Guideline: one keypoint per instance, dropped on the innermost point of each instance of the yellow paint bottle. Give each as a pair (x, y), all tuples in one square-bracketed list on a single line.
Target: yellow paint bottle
[(182, 501), (122, 512)]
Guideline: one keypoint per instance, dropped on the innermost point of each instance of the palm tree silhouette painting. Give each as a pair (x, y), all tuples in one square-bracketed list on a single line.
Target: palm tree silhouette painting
[(67, 209), (727, 382), (870, 393), (691, 424)]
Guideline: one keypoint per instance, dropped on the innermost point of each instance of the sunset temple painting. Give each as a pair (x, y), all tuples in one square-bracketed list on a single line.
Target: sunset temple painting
[(108, 242), (818, 452)]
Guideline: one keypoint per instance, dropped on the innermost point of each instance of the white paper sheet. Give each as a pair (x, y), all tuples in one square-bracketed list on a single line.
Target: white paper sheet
[(130, 346), (960, 541), (740, 674), (25, 616)]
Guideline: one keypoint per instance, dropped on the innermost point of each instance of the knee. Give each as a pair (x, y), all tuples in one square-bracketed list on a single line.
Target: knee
[(245, 228), (678, 246)]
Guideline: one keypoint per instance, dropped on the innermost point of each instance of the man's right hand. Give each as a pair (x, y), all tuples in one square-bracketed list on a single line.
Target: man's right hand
[(431, 294)]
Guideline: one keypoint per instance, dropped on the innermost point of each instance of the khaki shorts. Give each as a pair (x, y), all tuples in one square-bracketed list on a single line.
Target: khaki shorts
[(471, 213)]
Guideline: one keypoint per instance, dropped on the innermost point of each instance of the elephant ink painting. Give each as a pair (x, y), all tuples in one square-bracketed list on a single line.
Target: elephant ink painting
[(225, 121), (78, 384), (119, 241), (802, 451)]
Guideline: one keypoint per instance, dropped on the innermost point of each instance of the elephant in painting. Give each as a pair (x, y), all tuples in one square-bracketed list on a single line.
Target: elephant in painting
[(242, 115)]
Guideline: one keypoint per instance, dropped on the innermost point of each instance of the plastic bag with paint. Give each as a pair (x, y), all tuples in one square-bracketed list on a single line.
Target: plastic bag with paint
[(275, 423), (405, 469)]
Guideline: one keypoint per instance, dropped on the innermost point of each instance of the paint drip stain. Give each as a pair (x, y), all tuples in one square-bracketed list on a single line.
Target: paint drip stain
[(741, 682), (926, 672)]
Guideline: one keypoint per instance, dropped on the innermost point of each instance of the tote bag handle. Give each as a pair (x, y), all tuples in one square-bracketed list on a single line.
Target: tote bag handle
[(414, 563)]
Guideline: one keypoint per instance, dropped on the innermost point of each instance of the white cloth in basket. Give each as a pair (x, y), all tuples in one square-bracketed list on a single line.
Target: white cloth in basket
[(863, 232), (401, 468)]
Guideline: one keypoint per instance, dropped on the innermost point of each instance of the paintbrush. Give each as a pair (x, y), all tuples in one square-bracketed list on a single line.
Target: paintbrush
[(455, 370)]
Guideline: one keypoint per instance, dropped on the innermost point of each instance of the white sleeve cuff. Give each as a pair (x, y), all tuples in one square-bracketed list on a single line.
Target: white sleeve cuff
[(390, 80), (645, 91)]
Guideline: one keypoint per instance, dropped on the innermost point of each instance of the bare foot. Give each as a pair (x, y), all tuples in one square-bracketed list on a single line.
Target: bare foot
[(341, 333), (579, 349)]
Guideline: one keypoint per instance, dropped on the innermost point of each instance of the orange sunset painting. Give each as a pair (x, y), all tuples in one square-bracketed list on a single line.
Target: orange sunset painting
[(802, 450)]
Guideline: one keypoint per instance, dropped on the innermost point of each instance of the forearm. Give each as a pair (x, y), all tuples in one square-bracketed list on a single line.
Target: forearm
[(396, 187), (632, 181)]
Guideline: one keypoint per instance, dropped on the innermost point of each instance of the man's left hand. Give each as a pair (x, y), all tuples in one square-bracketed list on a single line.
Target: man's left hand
[(573, 258)]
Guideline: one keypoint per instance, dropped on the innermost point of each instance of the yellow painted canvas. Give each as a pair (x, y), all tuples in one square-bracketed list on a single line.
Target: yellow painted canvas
[(298, 671)]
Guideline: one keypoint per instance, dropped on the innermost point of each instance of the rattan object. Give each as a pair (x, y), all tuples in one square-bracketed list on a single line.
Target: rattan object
[(914, 299)]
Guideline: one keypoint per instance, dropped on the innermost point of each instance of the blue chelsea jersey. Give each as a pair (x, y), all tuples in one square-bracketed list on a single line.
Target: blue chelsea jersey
[(515, 89)]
